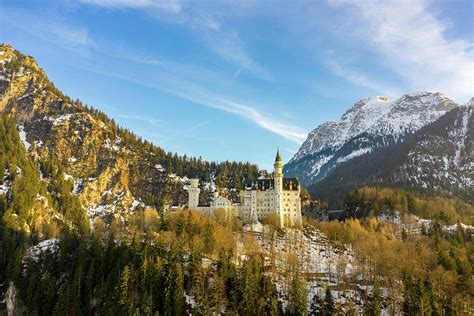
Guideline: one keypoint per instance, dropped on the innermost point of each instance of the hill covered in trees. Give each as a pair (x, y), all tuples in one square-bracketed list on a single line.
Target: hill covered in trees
[(374, 201), (424, 274), (112, 171)]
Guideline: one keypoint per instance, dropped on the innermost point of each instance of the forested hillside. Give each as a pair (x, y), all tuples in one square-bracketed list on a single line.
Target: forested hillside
[(112, 170), (141, 273), (425, 274), (66, 167), (373, 201), (33, 206)]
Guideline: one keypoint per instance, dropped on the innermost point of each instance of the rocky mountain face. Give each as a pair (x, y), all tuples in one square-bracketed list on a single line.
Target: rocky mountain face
[(370, 124), (111, 170), (438, 158)]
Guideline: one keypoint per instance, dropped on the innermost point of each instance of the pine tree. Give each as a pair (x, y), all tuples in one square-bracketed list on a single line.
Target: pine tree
[(199, 290), (124, 286), (297, 303), (375, 300), (249, 281), (178, 291), (209, 240), (218, 295), (328, 303)]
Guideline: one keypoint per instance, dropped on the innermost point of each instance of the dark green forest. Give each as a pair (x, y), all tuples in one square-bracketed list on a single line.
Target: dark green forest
[(90, 275), (119, 269)]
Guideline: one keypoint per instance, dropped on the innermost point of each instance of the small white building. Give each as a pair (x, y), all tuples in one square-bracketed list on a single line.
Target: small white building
[(258, 199)]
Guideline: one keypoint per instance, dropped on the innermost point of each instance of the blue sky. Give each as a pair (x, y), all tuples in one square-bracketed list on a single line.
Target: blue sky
[(232, 80)]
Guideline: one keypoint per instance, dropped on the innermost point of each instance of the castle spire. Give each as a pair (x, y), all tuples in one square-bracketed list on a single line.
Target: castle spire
[(278, 163), (278, 156)]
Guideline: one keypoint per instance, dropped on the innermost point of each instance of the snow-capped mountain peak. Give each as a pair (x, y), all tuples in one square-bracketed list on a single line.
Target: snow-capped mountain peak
[(370, 123), (411, 112), (363, 114)]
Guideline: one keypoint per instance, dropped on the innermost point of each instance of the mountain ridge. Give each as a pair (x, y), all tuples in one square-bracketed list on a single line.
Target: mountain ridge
[(437, 159), (370, 123)]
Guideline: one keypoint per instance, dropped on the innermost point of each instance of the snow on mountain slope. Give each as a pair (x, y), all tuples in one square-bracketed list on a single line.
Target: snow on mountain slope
[(371, 123), (411, 112), (334, 134), (442, 159), (438, 158)]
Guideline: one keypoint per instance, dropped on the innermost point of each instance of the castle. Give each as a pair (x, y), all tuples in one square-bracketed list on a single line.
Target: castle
[(276, 196)]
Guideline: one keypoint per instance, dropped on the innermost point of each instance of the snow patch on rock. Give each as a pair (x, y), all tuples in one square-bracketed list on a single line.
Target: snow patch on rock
[(48, 245), (21, 131), (5, 185)]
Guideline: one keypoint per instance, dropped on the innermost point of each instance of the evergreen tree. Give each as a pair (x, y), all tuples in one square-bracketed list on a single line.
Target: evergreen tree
[(328, 303), (218, 294), (199, 290), (124, 286), (178, 291), (375, 300), (249, 282), (297, 303), (209, 240)]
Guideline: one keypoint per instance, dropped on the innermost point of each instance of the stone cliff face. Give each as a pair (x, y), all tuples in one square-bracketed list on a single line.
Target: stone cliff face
[(54, 127)]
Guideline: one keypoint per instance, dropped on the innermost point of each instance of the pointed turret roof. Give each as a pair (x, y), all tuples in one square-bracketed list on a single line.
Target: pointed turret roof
[(278, 156)]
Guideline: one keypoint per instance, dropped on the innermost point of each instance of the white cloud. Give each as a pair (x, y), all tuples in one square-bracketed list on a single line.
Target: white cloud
[(149, 120), (360, 79), (287, 131), (230, 48), (413, 41), (174, 69), (173, 6), (198, 95), (202, 18), (52, 29)]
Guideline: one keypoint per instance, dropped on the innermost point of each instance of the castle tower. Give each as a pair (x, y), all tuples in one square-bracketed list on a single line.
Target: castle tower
[(278, 172), (278, 178), (193, 191)]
